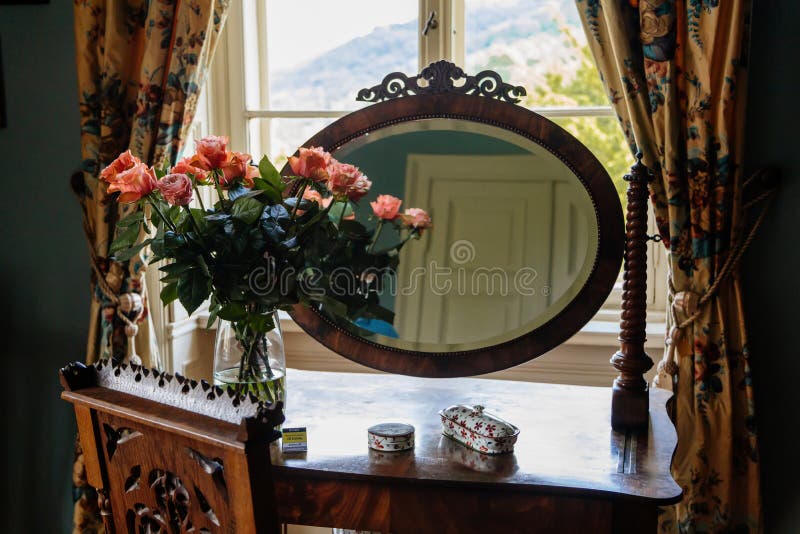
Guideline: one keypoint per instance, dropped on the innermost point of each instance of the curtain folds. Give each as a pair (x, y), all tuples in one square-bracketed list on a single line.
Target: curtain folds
[(675, 71), (140, 64)]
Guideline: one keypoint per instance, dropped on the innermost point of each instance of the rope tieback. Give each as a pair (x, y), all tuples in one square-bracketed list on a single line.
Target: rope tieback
[(129, 307), (687, 306)]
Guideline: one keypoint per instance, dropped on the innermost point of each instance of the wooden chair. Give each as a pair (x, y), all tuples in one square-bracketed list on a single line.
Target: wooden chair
[(168, 454)]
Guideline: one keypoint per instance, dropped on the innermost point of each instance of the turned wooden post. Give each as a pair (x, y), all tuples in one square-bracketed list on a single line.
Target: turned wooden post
[(629, 398)]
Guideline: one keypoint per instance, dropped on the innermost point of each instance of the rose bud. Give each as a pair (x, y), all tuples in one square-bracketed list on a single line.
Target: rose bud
[(359, 188), (417, 218)]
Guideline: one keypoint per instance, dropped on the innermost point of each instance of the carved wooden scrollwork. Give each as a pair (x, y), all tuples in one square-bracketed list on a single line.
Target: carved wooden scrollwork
[(443, 77), (118, 436), (104, 504), (168, 505), (162, 486)]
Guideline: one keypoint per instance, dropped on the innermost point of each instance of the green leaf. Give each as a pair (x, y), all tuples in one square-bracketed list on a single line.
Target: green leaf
[(237, 191), (125, 238), (273, 195), (130, 220), (212, 315), (247, 210), (125, 255), (261, 323), (174, 271), (173, 240), (201, 263), (217, 217), (158, 243), (193, 289), (270, 174), (169, 293), (176, 268), (235, 311), (354, 228)]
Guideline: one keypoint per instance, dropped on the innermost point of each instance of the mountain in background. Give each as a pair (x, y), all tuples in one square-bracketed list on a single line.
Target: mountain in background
[(519, 40)]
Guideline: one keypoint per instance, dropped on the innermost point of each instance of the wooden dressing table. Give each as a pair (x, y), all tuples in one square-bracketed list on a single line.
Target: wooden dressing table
[(570, 471), (587, 459)]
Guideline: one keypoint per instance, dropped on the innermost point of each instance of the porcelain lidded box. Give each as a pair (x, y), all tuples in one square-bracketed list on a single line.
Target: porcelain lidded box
[(391, 437), (478, 430)]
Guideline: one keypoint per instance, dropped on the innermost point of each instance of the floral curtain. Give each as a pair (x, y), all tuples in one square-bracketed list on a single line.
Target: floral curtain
[(675, 71), (141, 64)]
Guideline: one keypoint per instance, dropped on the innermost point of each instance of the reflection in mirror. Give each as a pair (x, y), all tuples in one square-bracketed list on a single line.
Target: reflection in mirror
[(514, 242)]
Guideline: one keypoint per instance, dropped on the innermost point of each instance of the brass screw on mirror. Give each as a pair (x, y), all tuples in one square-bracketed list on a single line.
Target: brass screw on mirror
[(431, 24)]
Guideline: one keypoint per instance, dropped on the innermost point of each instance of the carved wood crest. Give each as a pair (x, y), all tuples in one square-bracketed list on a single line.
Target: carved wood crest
[(443, 77)]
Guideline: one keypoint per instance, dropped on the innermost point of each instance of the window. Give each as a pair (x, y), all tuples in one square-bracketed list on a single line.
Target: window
[(285, 69)]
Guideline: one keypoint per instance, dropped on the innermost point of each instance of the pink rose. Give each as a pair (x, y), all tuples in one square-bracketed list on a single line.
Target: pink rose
[(176, 189), (234, 167), (359, 188), (311, 163), (124, 162), (386, 207), (134, 183), (188, 166), (343, 177), (417, 219), (212, 150)]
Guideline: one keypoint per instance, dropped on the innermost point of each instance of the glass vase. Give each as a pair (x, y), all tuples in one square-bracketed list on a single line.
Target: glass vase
[(251, 363)]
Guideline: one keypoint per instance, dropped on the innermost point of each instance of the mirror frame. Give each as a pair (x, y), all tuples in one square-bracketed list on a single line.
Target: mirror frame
[(485, 107)]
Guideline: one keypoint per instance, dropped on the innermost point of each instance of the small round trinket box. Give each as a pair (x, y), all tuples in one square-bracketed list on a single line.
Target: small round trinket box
[(391, 437)]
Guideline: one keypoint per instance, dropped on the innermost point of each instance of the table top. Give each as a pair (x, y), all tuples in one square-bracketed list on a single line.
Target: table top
[(566, 444)]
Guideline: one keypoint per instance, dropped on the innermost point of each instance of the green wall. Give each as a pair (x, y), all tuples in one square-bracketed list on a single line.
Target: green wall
[(44, 274), (44, 270), (770, 273)]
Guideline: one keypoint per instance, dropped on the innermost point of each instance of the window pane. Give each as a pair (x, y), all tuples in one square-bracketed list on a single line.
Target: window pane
[(538, 44), (321, 52), (604, 137), (283, 136)]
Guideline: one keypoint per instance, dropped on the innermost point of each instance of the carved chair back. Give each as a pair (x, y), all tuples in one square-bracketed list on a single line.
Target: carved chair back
[(173, 455)]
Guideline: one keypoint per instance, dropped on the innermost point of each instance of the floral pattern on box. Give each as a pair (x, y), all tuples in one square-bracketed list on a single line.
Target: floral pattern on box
[(479, 430)]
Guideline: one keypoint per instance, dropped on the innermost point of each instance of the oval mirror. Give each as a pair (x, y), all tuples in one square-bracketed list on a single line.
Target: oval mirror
[(526, 245)]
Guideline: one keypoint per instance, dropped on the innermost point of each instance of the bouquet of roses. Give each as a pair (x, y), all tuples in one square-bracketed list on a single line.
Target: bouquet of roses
[(268, 242)]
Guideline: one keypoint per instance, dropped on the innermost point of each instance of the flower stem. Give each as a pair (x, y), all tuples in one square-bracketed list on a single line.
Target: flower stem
[(302, 192), (196, 228), (217, 186), (402, 242), (161, 214), (376, 236), (322, 213), (341, 214), (197, 195)]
